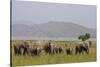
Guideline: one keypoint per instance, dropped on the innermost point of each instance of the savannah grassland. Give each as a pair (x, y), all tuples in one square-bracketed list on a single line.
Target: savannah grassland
[(55, 58)]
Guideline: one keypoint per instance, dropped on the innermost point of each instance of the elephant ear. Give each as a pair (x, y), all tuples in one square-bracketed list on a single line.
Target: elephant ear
[(86, 43)]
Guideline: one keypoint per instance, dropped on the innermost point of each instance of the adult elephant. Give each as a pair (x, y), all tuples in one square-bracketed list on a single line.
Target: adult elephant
[(58, 49), (35, 49), (69, 51), (21, 48), (53, 48), (49, 47), (82, 47), (17, 50)]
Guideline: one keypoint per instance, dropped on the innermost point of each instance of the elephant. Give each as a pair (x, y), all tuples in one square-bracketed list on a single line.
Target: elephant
[(47, 48), (58, 49), (53, 48), (69, 51), (36, 50), (17, 50), (83, 47), (21, 48)]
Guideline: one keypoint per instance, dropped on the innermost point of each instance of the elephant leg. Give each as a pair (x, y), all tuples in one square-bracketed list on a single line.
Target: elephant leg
[(87, 51), (76, 51)]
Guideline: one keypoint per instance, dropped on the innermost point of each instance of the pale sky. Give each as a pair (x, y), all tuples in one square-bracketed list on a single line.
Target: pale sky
[(26, 12)]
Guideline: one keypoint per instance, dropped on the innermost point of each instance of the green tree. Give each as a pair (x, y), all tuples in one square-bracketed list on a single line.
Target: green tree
[(84, 37)]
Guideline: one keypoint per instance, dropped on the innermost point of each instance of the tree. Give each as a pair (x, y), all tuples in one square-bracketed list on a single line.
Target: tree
[(87, 35), (84, 37)]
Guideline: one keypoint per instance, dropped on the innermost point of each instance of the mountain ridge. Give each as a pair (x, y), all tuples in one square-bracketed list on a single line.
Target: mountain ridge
[(51, 29)]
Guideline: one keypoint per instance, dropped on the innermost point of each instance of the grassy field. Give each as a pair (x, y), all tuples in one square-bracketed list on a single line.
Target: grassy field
[(56, 58)]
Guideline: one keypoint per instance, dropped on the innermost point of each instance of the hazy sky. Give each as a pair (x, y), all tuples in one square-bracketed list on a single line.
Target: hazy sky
[(25, 12)]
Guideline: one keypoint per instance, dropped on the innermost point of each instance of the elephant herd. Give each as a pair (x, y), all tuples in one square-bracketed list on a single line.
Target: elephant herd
[(49, 47)]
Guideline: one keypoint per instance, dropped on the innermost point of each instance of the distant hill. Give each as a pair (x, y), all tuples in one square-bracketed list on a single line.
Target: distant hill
[(51, 29)]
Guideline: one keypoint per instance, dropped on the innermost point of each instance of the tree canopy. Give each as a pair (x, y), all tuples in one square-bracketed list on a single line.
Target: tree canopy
[(84, 37)]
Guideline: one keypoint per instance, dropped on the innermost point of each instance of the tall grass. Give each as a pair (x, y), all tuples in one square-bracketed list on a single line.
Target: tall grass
[(44, 58)]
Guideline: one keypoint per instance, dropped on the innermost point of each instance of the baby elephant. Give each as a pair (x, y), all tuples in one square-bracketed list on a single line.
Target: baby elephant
[(69, 51)]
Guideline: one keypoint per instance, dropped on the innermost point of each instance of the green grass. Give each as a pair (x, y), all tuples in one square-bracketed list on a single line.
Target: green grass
[(54, 59)]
